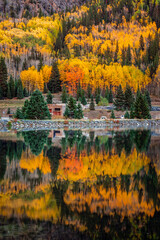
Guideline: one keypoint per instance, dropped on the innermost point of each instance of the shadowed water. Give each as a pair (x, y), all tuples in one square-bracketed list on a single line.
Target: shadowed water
[(80, 185)]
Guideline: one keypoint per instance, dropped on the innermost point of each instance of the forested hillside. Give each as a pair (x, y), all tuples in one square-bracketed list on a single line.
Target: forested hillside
[(102, 43)]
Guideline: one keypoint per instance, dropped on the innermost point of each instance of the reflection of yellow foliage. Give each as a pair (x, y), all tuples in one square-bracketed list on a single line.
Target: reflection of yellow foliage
[(44, 208), (102, 164), (102, 202), (31, 162)]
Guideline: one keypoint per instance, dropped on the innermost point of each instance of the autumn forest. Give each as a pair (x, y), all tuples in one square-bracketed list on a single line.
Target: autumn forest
[(102, 43)]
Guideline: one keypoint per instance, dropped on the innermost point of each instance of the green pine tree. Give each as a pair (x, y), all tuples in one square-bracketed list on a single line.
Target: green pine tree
[(11, 85), (92, 106), (119, 100), (147, 95), (66, 113), (45, 90), (3, 76), (141, 107), (129, 98), (110, 96), (112, 115), (83, 99), (79, 111), (9, 93), (107, 93), (49, 98), (24, 108), (72, 106), (64, 96), (79, 91), (1, 93), (54, 84), (141, 42), (89, 91), (19, 90), (128, 56), (98, 98), (37, 107), (25, 92), (19, 114), (126, 115), (132, 113)]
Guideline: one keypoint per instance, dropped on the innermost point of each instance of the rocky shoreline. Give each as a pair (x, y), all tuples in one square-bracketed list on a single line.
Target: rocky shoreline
[(27, 125)]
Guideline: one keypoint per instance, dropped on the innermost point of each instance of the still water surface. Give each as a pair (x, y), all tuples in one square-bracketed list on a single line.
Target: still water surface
[(80, 185)]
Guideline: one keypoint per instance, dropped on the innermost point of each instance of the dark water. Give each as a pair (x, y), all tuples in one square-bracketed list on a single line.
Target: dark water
[(80, 185)]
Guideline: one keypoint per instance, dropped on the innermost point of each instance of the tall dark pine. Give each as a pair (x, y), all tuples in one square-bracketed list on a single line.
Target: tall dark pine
[(110, 95), (141, 107), (119, 101), (11, 85), (129, 98), (19, 89), (54, 84), (148, 99), (128, 56), (37, 107), (3, 76), (141, 43)]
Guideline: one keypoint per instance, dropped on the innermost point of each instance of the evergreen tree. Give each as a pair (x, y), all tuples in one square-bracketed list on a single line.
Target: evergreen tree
[(72, 107), (129, 98), (116, 53), (79, 111), (83, 99), (64, 95), (1, 93), (141, 43), (110, 96), (49, 98), (132, 114), (89, 91), (54, 84), (92, 106), (25, 92), (19, 90), (79, 91), (37, 107), (137, 106), (45, 90), (67, 113), (112, 115), (98, 98), (9, 93), (19, 114), (24, 108), (119, 100), (148, 99), (126, 115), (128, 56), (11, 85), (141, 107), (3, 76), (107, 93), (145, 109)]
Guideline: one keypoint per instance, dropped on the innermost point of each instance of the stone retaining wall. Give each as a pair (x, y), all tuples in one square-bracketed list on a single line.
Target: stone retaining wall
[(25, 125)]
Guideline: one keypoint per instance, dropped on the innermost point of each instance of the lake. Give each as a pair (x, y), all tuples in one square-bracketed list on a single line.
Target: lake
[(80, 185)]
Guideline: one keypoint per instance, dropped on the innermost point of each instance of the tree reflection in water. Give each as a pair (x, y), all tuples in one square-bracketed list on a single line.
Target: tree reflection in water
[(105, 187)]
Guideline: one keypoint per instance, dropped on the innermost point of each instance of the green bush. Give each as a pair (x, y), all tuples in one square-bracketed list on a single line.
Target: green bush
[(103, 102)]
